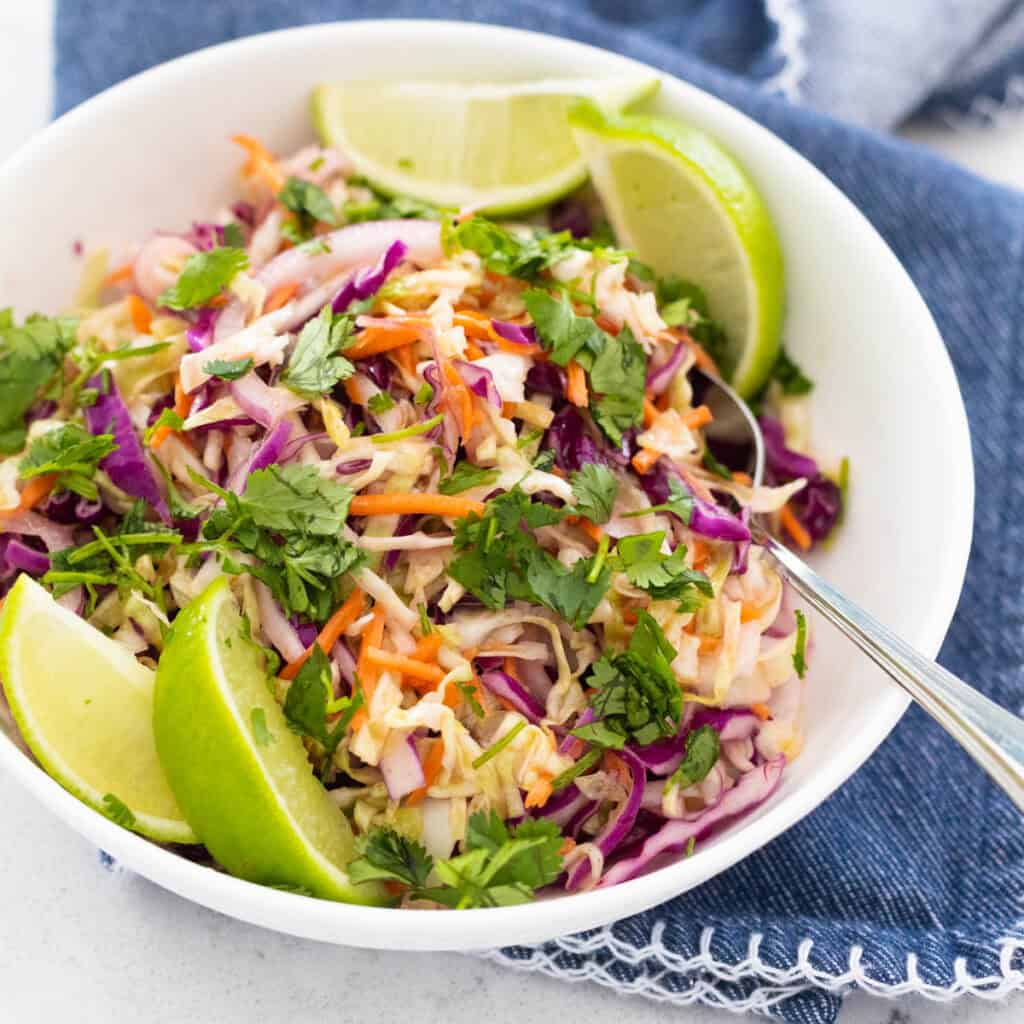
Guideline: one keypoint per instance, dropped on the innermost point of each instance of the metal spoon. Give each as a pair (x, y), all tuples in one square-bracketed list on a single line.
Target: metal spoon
[(990, 734)]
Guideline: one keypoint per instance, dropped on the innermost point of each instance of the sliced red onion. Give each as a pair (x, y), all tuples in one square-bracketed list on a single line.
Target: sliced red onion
[(534, 676), (618, 825), (306, 631), (400, 765), (479, 380), (245, 213), (73, 600), (276, 627), (127, 465), (266, 405), (516, 333), (783, 462), (296, 444), (448, 430), (501, 684), (750, 792), (273, 445), (353, 466), (406, 524), (659, 378), (342, 657), (366, 282), (205, 235), (29, 560)]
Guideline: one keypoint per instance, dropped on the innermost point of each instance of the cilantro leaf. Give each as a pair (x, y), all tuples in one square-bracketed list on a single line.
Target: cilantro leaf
[(791, 378), (561, 332), (386, 855), (464, 476), (167, 418), (308, 703), (228, 369), (315, 366), (234, 236), (72, 455), (664, 577), (636, 694), (30, 358), (380, 402), (618, 375), (699, 757), (118, 811), (523, 255), (714, 466), (800, 650), (570, 592), (296, 498), (680, 503), (684, 304), (308, 201), (204, 276), (382, 207), (594, 488)]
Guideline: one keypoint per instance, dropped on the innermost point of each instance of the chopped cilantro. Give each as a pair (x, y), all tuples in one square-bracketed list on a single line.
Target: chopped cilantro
[(234, 236), (563, 333), (468, 691), (386, 855), (680, 503), (594, 488), (228, 369), (167, 418), (791, 378), (465, 476), (800, 650), (309, 203), (712, 465), (72, 455), (381, 207), (424, 395), (204, 276), (664, 577), (699, 757), (514, 254), (380, 402), (31, 357), (618, 377), (315, 366)]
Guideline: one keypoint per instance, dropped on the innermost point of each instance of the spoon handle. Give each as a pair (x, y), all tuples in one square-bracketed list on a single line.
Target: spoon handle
[(990, 734)]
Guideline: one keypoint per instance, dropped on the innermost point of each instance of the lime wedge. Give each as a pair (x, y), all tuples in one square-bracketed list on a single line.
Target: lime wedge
[(500, 147), (84, 706), (240, 774), (686, 207)]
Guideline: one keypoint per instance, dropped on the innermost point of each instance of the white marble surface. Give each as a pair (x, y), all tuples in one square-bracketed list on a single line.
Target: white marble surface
[(80, 944)]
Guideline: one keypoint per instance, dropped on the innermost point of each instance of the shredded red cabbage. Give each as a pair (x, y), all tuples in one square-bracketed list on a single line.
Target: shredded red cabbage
[(567, 437), (364, 283), (515, 333), (501, 684)]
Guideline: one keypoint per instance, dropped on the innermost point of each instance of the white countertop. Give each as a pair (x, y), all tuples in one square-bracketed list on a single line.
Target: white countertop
[(82, 944)]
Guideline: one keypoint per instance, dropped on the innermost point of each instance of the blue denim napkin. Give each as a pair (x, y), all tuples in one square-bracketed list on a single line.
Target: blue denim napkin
[(910, 878)]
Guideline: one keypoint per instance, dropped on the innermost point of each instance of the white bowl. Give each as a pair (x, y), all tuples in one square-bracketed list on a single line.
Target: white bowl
[(153, 152)]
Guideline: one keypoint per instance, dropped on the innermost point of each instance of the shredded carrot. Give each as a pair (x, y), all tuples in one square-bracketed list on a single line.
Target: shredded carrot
[(650, 411), (592, 530), (698, 417), (568, 845), (140, 314), (217, 301), (613, 763), (534, 351), (540, 792), (762, 711), (576, 385), (606, 323), (261, 162), (402, 357), (700, 355), (475, 324), (346, 614), (366, 671), (742, 478), (459, 393), (431, 769), (645, 459), (374, 340), (750, 612), (405, 665), (508, 666), (795, 528), (392, 504), (701, 552), (709, 641), (473, 351), (661, 402), (122, 273), (427, 648), (182, 406), (630, 617), (352, 389), (281, 296), (35, 491)]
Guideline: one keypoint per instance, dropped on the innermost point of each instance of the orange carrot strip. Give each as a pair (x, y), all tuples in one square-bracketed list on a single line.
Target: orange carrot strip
[(540, 792), (427, 648), (576, 385), (795, 528), (650, 411), (698, 417), (568, 845), (346, 614), (182, 406), (449, 506), (762, 711), (701, 551), (404, 664), (630, 617), (140, 314), (742, 478), (708, 642), (260, 162), (366, 672), (355, 396), (473, 351), (431, 769), (281, 296), (119, 274), (661, 403), (701, 357), (645, 459), (508, 666), (606, 323), (374, 340), (402, 357), (35, 491)]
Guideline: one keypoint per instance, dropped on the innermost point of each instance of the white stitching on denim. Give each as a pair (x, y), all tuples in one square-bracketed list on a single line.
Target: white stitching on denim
[(791, 26), (778, 983)]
